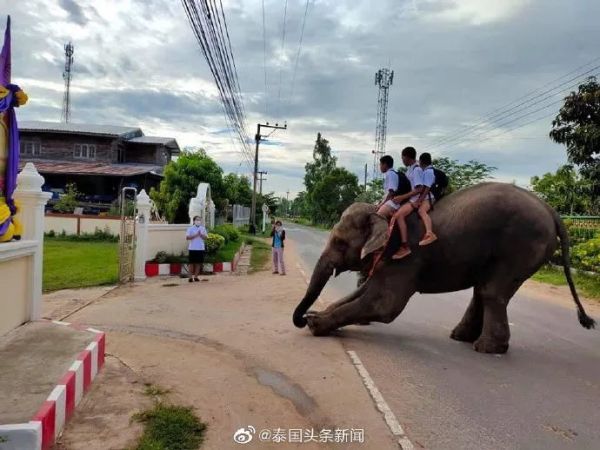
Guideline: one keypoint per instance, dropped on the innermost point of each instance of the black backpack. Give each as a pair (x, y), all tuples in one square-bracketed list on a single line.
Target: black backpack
[(404, 186), (438, 189)]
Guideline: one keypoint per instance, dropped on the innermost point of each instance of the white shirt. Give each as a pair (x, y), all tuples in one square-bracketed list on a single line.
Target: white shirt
[(428, 176), (390, 182), (415, 175), (197, 243)]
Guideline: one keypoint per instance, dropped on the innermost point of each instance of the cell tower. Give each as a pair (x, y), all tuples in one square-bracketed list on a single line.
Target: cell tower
[(66, 109), (383, 79)]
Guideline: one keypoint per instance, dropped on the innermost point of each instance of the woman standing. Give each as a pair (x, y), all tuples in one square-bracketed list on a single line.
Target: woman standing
[(278, 235), (196, 235)]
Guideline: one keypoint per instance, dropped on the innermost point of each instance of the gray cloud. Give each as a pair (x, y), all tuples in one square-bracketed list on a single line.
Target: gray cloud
[(454, 61)]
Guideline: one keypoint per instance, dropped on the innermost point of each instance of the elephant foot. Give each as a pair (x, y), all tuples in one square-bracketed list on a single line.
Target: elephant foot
[(465, 334), (318, 324), (486, 345)]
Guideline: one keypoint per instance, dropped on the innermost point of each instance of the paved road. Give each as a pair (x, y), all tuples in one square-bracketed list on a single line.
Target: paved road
[(543, 394)]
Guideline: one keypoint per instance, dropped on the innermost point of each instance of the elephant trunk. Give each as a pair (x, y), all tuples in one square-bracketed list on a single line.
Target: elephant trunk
[(320, 276)]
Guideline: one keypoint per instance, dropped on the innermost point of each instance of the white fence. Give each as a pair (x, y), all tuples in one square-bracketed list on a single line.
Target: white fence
[(241, 215), (77, 224)]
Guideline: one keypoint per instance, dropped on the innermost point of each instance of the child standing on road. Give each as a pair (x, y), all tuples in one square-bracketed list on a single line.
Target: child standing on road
[(278, 235), (196, 235)]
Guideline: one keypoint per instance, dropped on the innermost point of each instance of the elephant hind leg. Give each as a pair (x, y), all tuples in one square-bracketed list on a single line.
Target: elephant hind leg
[(495, 295), (471, 325)]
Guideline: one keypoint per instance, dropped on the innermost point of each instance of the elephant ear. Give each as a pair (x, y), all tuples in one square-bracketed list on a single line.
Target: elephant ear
[(377, 236)]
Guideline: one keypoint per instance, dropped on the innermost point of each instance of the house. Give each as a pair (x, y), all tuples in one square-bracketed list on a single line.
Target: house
[(99, 159)]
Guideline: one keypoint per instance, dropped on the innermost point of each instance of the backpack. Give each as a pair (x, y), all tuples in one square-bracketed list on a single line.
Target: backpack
[(438, 189), (404, 186)]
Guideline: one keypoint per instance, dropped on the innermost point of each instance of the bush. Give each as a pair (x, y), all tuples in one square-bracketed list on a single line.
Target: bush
[(586, 256), (68, 201), (228, 231), (98, 235), (214, 242)]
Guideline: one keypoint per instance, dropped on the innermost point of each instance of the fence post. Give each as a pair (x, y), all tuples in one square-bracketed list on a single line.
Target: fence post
[(32, 201), (143, 206)]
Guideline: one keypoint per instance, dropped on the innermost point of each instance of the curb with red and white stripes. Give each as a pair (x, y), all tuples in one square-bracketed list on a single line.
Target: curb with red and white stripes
[(46, 425)]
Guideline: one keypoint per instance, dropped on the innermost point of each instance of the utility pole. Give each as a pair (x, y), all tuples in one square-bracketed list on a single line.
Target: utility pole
[(287, 203), (261, 179), (366, 166), (257, 139)]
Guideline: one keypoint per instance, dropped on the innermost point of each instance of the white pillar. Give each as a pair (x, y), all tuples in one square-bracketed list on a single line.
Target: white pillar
[(32, 201), (197, 208), (211, 214), (143, 207)]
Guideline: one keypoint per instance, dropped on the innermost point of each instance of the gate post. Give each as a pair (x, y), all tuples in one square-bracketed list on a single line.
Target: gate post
[(143, 206), (32, 202)]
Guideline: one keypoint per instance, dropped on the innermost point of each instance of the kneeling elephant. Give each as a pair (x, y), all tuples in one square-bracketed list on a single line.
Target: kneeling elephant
[(492, 237)]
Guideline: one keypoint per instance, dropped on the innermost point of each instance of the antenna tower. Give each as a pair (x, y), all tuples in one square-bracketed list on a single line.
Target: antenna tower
[(383, 79), (66, 108)]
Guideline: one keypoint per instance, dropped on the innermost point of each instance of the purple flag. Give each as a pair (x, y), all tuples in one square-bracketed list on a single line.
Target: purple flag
[(5, 62)]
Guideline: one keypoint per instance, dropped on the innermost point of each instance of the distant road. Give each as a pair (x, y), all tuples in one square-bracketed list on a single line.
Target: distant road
[(543, 394)]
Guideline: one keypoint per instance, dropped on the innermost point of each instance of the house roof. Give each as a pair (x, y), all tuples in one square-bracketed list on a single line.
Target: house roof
[(157, 140), (80, 128), (93, 168)]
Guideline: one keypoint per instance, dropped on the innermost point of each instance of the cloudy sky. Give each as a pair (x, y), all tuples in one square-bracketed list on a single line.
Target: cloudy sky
[(137, 63)]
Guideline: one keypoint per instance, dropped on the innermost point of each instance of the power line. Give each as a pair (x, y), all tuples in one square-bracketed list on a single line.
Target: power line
[(282, 55), (503, 111), (209, 26), (299, 49), (265, 59), (499, 119)]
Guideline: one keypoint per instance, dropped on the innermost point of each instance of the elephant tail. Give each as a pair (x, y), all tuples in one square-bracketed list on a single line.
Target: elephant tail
[(585, 320)]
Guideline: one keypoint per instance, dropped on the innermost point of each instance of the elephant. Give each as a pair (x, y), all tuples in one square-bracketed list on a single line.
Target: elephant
[(491, 237)]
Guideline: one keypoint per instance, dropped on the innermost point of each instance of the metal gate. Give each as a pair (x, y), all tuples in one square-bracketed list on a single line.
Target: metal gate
[(127, 236)]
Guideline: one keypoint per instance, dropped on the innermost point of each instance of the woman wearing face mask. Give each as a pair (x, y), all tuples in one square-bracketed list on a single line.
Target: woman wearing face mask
[(278, 235), (196, 235)]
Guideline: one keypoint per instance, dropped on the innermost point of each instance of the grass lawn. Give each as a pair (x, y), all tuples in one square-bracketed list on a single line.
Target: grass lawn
[(587, 285), (71, 264), (225, 253), (261, 252)]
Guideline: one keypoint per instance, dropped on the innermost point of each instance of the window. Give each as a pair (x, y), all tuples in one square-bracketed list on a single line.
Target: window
[(30, 148), (85, 151)]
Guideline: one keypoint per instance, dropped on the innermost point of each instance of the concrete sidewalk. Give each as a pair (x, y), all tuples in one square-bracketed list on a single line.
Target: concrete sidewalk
[(228, 348), (45, 367)]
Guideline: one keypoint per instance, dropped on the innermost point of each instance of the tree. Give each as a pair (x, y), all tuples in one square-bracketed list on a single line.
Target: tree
[(566, 191), (374, 192), (299, 207), (67, 201), (333, 194), (323, 163), (270, 200), (237, 189), (180, 184), (463, 175), (577, 126)]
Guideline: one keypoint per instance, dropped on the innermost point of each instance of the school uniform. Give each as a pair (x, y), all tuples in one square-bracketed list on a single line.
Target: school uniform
[(390, 183)]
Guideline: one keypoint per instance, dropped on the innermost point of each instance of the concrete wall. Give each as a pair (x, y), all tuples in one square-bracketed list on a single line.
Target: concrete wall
[(87, 224), (16, 271), (166, 238)]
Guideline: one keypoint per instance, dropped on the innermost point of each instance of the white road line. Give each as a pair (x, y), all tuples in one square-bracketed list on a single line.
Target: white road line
[(302, 272), (380, 403)]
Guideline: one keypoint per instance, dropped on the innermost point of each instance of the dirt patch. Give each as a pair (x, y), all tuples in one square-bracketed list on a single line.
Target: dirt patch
[(103, 419), (559, 295)]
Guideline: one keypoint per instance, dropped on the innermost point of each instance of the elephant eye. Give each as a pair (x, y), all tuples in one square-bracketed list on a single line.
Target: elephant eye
[(339, 242)]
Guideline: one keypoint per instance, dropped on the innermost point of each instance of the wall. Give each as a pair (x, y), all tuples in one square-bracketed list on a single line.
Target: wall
[(144, 153), (16, 283), (87, 224), (61, 146), (166, 238)]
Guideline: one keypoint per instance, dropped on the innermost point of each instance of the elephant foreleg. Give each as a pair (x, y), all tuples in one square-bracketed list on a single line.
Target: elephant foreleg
[(471, 325), (384, 307)]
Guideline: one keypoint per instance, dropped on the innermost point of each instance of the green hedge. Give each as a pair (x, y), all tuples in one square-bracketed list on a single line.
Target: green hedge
[(229, 232), (586, 256)]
